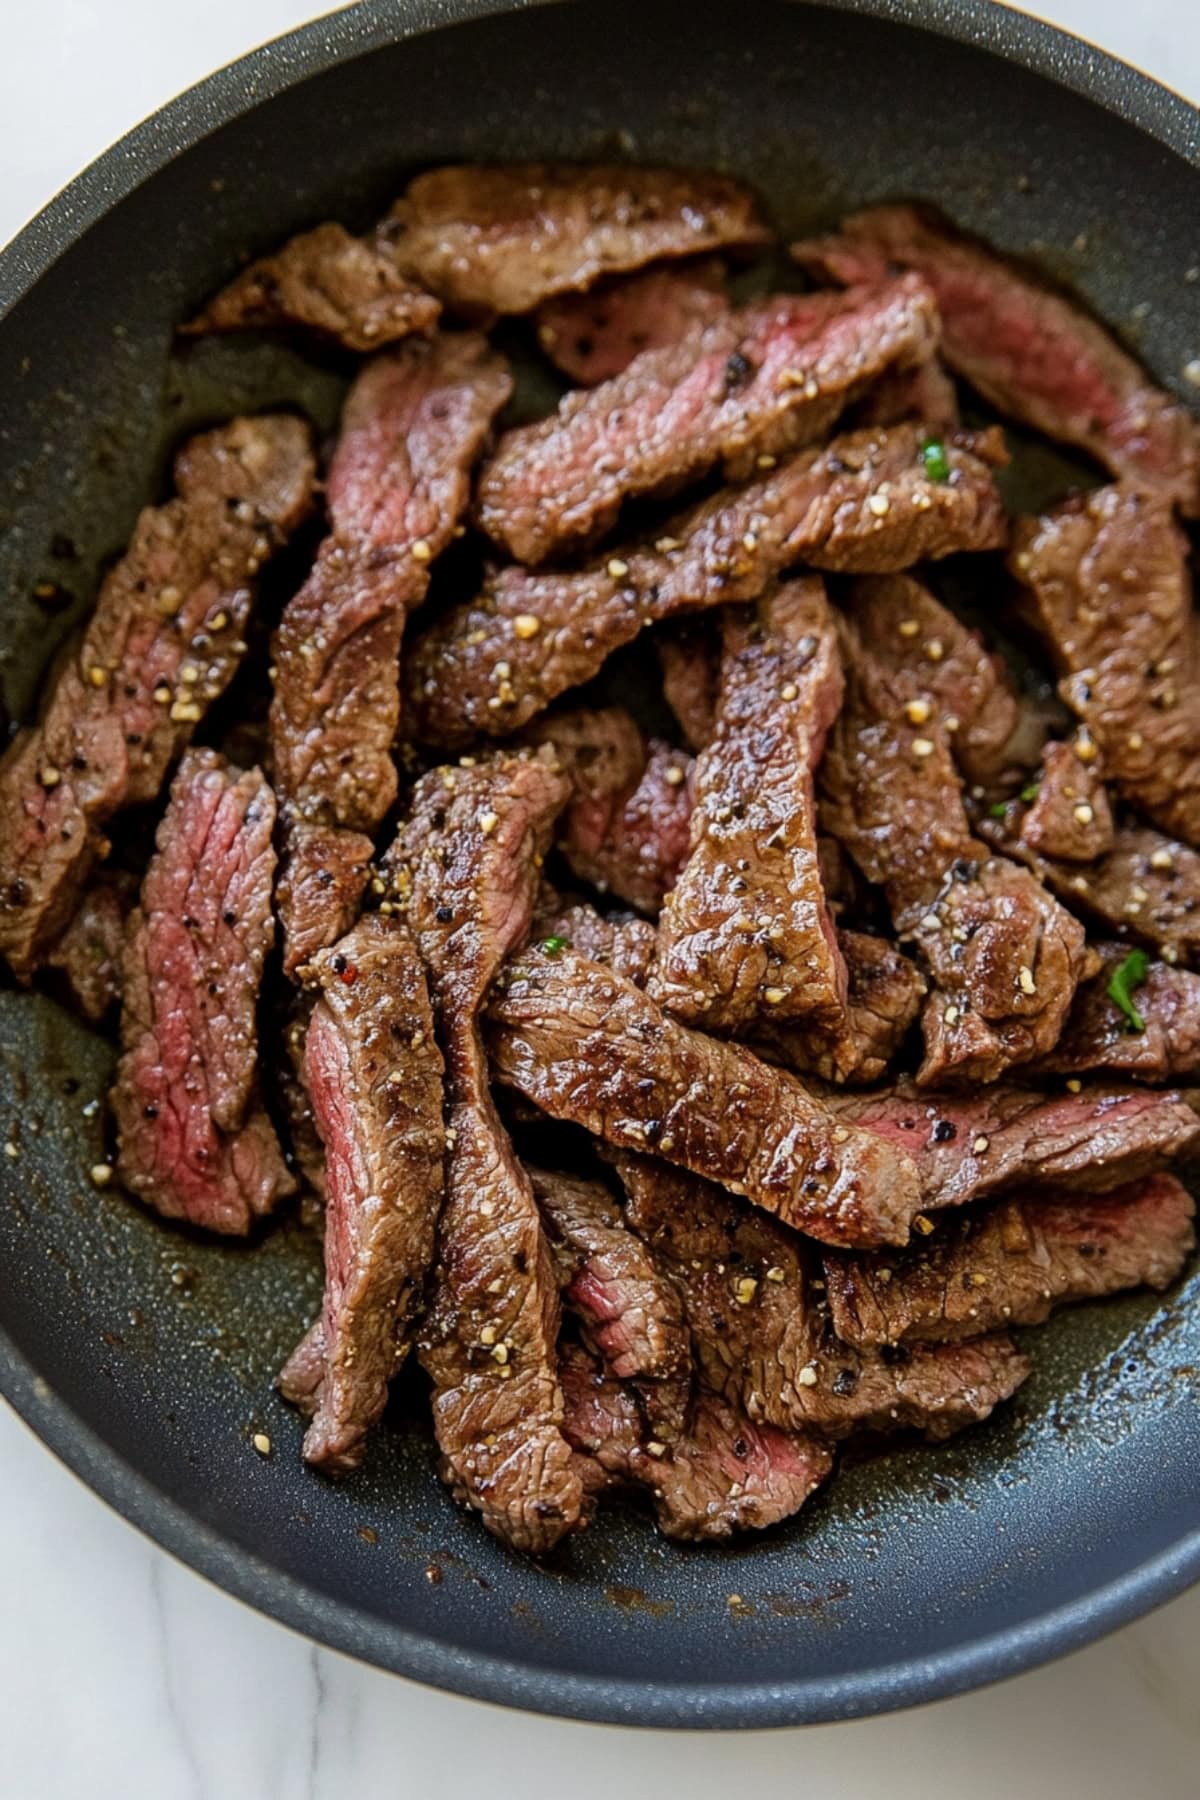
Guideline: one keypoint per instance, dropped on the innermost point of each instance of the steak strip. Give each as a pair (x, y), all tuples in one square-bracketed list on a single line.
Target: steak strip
[(1107, 582), (761, 381), (193, 1139), (1099, 1035), (163, 642), (725, 1475), (487, 666), (593, 336), (505, 237), (1014, 1264), (1036, 355), (468, 860), (625, 829), (413, 423), (327, 281), (1003, 956), (374, 1075), (966, 1146), (633, 1315), (762, 1333), (940, 669), (746, 934), (585, 1045), (1147, 887)]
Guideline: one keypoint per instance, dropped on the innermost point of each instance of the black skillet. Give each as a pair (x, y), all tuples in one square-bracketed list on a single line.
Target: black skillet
[(144, 1357)]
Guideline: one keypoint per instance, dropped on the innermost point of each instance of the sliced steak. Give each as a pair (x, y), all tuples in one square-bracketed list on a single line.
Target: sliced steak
[(593, 336), (1003, 956), (939, 669), (966, 1146), (505, 237), (1014, 1264), (884, 994), (620, 941), (1032, 352), (761, 1329), (162, 644), (1100, 1035), (633, 1314), (413, 424), (88, 954), (587, 1046), (690, 660), (1069, 816), (327, 281), (746, 934), (762, 381), (725, 1475), (301, 1376), (193, 1139), (863, 504), (1147, 886), (1107, 581), (469, 857), (626, 828), (374, 1073), (925, 393), (321, 888)]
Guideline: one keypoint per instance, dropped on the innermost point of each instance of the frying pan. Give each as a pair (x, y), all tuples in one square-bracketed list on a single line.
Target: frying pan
[(143, 1356)]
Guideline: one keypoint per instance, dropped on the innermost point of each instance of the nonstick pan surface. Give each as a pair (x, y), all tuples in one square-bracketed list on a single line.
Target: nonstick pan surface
[(144, 1356)]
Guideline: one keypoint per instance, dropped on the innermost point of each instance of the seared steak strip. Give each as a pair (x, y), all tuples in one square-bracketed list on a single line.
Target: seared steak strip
[(88, 954), (633, 1315), (761, 1329), (413, 424), (587, 1046), (864, 504), (1069, 817), (884, 993), (193, 1139), (761, 381), (468, 858), (1099, 1035), (620, 941), (324, 280), (625, 829), (939, 669), (724, 1475), (924, 393), (1032, 352), (1004, 957), (690, 662), (593, 336), (163, 642), (1146, 887), (1107, 579), (746, 934), (503, 238), (966, 1146), (374, 1074), (1014, 1264)]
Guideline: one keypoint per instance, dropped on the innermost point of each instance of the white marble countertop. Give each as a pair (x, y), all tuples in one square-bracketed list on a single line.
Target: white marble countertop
[(123, 1674)]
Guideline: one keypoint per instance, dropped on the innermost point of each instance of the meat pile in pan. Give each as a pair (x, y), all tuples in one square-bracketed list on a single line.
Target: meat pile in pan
[(688, 1100)]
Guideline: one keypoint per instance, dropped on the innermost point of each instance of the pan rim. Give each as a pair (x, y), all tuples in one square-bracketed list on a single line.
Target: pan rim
[(222, 97)]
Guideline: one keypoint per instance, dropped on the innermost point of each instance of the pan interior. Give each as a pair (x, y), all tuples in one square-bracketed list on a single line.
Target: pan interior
[(166, 1346)]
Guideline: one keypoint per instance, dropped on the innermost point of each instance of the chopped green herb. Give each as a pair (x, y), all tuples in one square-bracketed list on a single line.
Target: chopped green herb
[(553, 946), (1129, 973), (1029, 792), (999, 809), (937, 463)]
